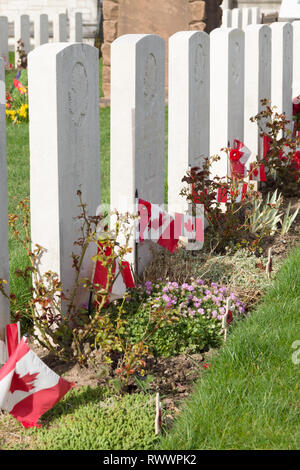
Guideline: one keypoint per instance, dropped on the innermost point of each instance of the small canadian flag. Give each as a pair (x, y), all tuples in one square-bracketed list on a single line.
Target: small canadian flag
[(238, 194), (28, 388), (122, 278), (257, 173)]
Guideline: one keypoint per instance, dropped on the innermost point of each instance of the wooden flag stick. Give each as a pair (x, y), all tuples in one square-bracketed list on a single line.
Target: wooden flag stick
[(137, 234), (158, 417), (269, 265), (225, 317)]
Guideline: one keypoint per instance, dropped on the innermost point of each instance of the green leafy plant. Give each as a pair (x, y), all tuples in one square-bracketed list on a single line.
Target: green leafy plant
[(288, 220), (58, 324), (264, 215), (173, 318), (228, 223), (281, 156)]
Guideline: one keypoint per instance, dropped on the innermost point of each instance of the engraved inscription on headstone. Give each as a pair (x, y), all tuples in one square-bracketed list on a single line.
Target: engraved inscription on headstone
[(78, 94)]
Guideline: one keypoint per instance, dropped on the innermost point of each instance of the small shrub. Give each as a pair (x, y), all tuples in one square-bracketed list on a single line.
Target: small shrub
[(228, 221), (281, 157)]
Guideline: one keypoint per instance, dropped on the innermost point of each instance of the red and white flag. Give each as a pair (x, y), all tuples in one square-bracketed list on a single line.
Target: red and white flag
[(12, 339), (156, 225), (28, 388), (238, 156), (165, 229), (231, 194), (122, 275), (257, 173)]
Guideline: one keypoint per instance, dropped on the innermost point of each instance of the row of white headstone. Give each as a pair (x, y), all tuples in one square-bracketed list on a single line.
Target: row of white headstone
[(216, 83), (64, 29), (241, 17)]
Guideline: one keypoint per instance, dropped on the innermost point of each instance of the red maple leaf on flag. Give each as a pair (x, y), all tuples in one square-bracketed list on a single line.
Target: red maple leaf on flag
[(24, 384), (189, 226), (155, 224)]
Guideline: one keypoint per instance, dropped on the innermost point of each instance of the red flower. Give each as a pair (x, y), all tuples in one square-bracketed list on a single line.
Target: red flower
[(229, 317), (296, 162), (235, 155), (206, 366)]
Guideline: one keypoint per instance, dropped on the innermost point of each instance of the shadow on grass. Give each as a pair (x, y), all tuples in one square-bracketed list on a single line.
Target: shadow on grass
[(74, 400)]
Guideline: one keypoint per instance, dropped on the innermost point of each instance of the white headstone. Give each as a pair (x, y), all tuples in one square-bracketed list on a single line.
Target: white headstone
[(76, 34), (226, 4), (246, 17), (63, 79), (289, 10), (282, 67), (257, 81), (60, 32), (188, 111), (236, 18), (4, 39), (255, 15), (226, 19), (22, 31), (4, 260), (41, 30), (296, 61), (226, 92), (137, 124)]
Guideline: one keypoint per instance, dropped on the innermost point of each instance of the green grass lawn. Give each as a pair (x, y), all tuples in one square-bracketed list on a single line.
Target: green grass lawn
[(250, 398)]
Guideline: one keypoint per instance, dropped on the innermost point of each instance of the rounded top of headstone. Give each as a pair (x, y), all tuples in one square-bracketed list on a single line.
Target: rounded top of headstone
[(290, 9), (136, 38), (60, 47)]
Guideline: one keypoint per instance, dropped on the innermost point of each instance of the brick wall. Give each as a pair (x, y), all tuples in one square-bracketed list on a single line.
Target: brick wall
[(155, 17)]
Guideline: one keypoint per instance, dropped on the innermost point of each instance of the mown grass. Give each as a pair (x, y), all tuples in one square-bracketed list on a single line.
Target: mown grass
[(250, 398), (90, 419)]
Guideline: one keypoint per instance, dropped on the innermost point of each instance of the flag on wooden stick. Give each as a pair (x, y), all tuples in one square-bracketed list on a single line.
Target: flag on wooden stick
[(122, 278), (28, 388)]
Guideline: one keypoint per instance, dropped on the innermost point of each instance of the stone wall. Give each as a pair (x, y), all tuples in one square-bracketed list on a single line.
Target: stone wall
[(163, 18)]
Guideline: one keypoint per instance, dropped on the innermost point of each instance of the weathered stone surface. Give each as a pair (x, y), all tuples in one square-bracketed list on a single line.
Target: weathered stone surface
[(76, 27), (137, 125), (282, 68), (22, 31), (156, 17), (110, 28), (188, 143), (60, 30), (4, 38), (64, 151), (198, 26), (41, 30), (106, 54), (198, 10), (257, 82), (110, 9), (296, 61), (227, 48)]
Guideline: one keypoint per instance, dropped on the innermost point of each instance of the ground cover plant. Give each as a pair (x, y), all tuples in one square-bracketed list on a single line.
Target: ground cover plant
[(183, 295)]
